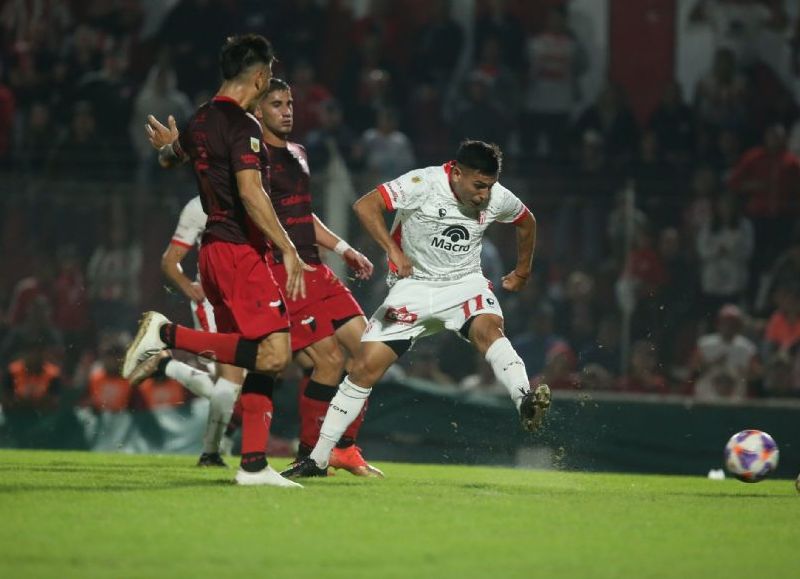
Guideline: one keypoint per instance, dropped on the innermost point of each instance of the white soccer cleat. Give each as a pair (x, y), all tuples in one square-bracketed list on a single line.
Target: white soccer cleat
[(146, 343), (268, 476)]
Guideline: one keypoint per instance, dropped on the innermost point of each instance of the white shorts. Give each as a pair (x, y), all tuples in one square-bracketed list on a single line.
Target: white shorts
[(415, 308), (203, 316)]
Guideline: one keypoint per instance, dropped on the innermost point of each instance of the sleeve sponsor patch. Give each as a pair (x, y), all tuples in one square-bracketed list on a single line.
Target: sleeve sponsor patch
[(255, 144)]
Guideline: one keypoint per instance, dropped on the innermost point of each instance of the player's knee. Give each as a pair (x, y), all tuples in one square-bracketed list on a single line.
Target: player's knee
[(364, 372), (333, 359), (486, 331), (271, 359)]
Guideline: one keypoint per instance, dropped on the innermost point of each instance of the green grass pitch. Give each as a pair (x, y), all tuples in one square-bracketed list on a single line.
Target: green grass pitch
[(100, 515)]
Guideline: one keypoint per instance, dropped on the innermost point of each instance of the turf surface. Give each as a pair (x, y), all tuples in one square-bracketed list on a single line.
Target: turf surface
[(99, 515)]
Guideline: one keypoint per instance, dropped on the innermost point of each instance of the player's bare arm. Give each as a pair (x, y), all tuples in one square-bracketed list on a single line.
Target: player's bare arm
[(369, 210), (259, 208), (526, 243), (355, 260), (162, 138), (171, 266)]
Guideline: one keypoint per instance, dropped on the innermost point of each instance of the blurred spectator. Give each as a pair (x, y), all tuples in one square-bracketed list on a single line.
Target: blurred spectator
[(605, 351), (724, 361), (194, 30), (622, 214), (477, 115), (301, 39), (644, 376), (587, 200), (676, 328), (499, 23), (720, 95), (724, 246), (556, 60), (37, 139), (750, 29), (768, 179), (36, 328), (780, 376), (483, 382), (436, 48), (784, 271), (81, 152), (503, 85), (655, 180), (610, 116), (388, 151), (308, 95), (673, 125), (107, 390), (113, 276), (7, 112), (161, 98), (697, 210), (782, 334), (533, 344), (576, 314), (159, 393), (424, 365), (71, 305), (31, 381), (333, 135), (559, 369)]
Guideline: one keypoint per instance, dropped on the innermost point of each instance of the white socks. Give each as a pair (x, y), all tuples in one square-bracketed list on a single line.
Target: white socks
[(220, 410), (343, 410), (509, 368), (196, 381)]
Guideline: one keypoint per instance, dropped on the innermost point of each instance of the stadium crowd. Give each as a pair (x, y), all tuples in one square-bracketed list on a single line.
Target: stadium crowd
[(669, 247)]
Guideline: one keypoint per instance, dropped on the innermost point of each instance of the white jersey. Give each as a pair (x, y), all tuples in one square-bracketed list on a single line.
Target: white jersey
[(191, 224), (440, 236)]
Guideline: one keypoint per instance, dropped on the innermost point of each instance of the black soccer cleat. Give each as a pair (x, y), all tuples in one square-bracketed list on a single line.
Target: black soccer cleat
[(534, 407), (211, 459), (304, 468)]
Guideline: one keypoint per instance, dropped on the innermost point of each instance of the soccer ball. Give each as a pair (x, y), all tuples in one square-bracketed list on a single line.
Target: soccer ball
[(751, 455)]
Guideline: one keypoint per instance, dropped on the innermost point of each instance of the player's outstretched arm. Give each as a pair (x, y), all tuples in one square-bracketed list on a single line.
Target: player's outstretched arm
[(259, 208), (355, 260), (163, 140), (171, 266), (526, 243), (369, 210)]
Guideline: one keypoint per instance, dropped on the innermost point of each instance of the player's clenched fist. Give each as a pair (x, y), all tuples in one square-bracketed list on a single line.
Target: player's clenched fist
[(404, 267)]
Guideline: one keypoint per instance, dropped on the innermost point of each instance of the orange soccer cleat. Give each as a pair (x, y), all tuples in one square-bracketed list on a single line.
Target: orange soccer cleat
[(350, 459)]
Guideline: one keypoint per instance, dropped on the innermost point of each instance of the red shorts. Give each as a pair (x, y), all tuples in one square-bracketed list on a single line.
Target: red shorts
[(327, 301), (240, 286)]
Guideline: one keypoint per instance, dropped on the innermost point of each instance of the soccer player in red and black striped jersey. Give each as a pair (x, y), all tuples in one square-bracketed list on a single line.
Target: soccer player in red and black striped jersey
[(224, 144), (328, 315)]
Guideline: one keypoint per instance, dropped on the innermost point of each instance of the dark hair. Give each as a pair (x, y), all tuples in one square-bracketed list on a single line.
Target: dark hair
[(241, 52), (276, 84), (486, 158)]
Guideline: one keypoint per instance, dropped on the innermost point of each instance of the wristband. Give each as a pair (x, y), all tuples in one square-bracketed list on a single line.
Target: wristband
[(341, 247)]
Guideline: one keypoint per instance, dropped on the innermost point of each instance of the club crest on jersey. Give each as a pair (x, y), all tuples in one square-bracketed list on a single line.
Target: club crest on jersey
[(311, 322), (255, 144), (442, 212), (400, 315), (452, 238)]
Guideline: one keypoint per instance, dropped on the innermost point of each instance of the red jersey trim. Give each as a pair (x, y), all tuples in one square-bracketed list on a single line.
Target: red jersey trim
[(387, 198), (448, 168), (397, 236), (225, 99), (522, 215), (175, 241)]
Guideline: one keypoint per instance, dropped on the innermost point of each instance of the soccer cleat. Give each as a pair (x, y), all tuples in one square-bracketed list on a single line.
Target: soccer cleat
[(350, 459), (534, 406), (211, 459), (304, 468), (265, 477), (146, 368), (146, 343)]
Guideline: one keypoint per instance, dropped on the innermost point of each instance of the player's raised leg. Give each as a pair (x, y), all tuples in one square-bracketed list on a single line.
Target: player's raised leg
[(485, 331), (369, 366)]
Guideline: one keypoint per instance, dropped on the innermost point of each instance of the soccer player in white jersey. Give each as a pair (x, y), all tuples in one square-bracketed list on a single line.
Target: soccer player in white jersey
[(222, 392), (436, 282)]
